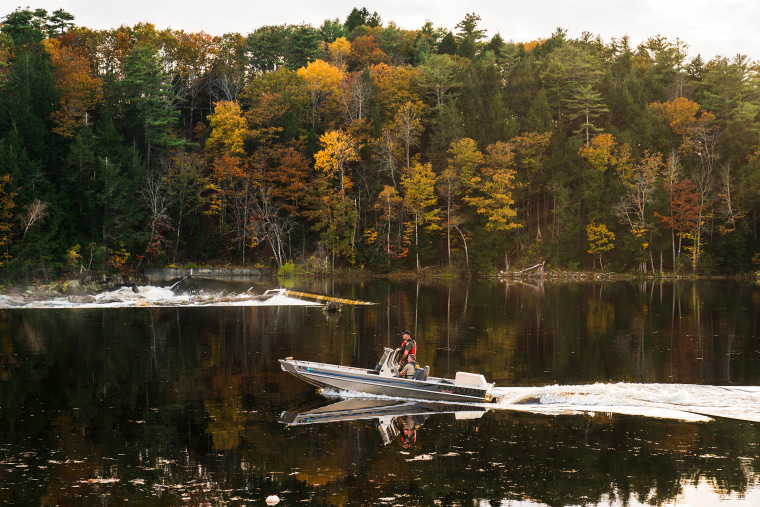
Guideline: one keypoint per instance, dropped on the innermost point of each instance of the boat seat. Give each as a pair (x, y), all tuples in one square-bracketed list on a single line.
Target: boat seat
[(421, 373)]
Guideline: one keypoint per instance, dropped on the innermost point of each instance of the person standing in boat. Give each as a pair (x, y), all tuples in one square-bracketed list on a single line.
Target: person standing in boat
[(410, 367), (408, 346)]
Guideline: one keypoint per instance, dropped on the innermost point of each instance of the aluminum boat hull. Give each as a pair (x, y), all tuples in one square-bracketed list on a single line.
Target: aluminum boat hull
[(380, 383)]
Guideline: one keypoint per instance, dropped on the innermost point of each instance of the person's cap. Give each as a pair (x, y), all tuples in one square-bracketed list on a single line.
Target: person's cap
[(406, 332), (412, 356)]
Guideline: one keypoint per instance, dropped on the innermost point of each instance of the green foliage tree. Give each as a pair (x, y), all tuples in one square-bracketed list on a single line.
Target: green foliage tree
[(587, 105), (25, 26), (361, 17), (482, 103)]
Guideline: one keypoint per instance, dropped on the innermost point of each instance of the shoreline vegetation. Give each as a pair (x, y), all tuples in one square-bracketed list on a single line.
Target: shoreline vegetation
[(361, 148)]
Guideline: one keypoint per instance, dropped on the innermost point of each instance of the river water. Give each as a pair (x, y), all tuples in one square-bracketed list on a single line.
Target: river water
[(612, 394)]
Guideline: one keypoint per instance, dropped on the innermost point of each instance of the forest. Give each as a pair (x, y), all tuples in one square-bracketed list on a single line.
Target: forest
[(363, 145)]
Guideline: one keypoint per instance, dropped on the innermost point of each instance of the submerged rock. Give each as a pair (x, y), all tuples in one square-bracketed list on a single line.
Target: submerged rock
[(332, 306)]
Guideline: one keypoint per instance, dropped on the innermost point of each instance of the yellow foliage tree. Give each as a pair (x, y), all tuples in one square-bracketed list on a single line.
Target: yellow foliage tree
[(396, 88), (338, 149), (228, 129), (389, 205), (339, 52), (321, 82), (600, 240), (495, 189), (419, 189), (603, 152)]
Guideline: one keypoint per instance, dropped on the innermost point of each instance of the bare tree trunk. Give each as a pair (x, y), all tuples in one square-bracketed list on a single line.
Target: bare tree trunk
[(466, 252), (417, 241), (448, 228)]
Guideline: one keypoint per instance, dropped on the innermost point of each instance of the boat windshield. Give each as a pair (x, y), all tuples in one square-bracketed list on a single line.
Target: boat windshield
[(383, 358)]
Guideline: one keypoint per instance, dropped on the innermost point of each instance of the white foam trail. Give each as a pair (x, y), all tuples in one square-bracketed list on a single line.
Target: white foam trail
[(679, 401)]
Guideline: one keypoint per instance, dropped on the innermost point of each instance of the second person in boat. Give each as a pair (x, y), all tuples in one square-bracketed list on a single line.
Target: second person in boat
[(410, 367)]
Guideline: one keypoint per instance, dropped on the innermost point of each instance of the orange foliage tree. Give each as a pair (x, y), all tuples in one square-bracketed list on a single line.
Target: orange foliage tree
[(686, 211), (699, 133), (365, 51), (81, 91)]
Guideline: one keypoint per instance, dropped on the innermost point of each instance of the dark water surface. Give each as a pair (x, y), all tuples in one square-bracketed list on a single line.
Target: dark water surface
[(177, 406)]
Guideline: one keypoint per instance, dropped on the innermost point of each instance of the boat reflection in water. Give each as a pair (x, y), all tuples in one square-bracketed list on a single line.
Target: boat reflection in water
[(392, 418)]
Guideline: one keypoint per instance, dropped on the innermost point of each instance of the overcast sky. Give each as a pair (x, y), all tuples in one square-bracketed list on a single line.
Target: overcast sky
[(709, 27)]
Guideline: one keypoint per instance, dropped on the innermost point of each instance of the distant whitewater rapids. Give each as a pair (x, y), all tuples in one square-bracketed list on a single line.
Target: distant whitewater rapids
[(186, 292)]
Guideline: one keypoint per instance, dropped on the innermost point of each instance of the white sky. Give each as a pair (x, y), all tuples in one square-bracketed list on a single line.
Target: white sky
[(709, 27)]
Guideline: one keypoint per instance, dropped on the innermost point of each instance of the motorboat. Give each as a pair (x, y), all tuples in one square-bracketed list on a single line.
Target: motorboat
[(391, 416), (384, 380)]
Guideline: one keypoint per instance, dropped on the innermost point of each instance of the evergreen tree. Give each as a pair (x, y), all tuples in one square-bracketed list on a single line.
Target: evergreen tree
[(469, 35), (148, 101), (448, 45)]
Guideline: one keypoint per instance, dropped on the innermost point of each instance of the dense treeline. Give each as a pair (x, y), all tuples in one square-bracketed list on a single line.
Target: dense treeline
[(364, 143)]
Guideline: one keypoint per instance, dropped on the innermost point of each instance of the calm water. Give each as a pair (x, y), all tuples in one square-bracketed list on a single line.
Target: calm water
[(181, 405)]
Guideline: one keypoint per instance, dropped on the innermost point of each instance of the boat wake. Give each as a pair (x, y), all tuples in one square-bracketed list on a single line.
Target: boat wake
[(686, 402)]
